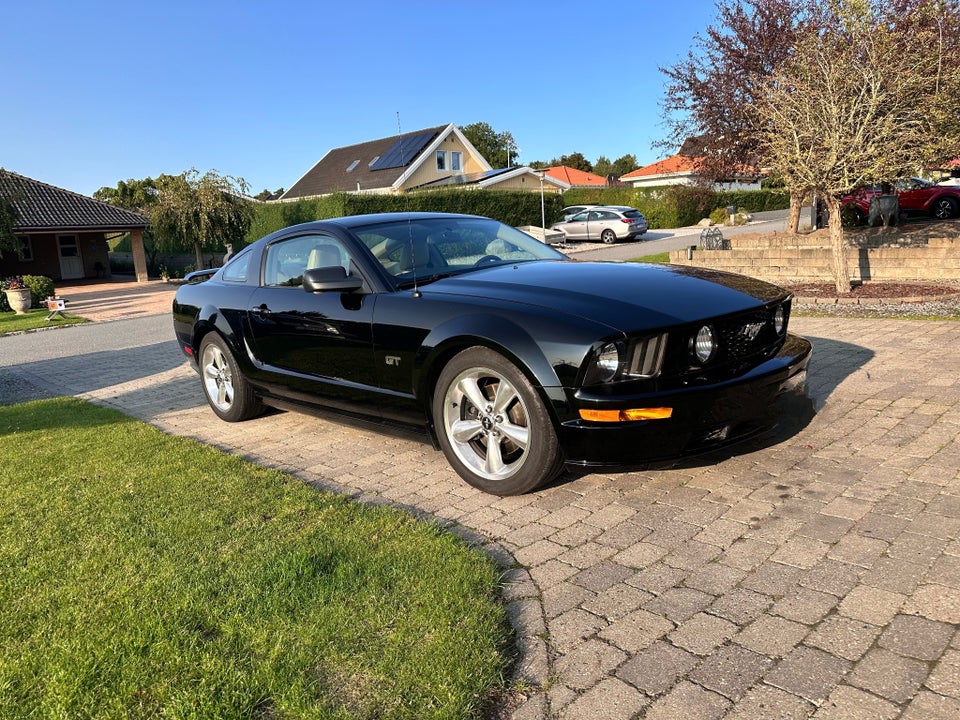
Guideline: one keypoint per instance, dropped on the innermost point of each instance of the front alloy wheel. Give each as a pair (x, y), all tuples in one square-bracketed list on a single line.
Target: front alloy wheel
[(493, 426)]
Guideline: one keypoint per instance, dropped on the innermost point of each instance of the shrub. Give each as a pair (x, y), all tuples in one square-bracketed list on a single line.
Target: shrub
[(719, 216), (41, 287)]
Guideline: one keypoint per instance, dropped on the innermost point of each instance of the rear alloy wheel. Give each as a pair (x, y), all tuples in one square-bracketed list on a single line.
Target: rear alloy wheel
[(945, 208), (229, 393), (608, 236), (493, 426)]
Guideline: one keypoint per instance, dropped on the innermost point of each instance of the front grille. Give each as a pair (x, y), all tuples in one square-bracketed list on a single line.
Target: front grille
[(745, 335), (744, 341)]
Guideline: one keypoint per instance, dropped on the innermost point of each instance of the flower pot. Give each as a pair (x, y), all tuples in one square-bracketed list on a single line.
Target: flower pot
[(19, 300)]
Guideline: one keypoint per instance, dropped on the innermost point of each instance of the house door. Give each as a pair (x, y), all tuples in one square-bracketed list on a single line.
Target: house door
[(71, 264)]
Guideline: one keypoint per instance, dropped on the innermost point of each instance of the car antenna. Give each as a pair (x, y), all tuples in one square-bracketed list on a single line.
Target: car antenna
[(413, 251)]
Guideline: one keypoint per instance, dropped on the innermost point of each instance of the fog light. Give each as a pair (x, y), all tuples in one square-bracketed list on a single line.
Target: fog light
[(704, 345), (779, 320)]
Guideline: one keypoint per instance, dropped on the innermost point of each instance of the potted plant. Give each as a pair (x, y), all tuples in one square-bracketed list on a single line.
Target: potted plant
[(18, 294)]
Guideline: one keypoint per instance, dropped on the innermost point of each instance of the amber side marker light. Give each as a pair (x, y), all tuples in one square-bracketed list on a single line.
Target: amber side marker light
[(626, 415)]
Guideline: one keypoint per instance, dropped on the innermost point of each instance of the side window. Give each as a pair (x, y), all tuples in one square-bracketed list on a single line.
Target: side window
[(287, 260), (237, 270), (441, 160)]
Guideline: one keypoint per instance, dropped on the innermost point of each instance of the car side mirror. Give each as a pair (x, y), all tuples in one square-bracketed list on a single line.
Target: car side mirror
[(330, 279)]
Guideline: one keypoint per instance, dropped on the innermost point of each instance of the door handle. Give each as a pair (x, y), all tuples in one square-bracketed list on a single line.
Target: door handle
[(260, 311)]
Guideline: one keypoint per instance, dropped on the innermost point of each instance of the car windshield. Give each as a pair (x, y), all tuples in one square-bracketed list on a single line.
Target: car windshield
[(425, 248), (631, 214)]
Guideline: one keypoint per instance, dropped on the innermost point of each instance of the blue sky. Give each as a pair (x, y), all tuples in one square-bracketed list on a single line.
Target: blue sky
[(98, 92)]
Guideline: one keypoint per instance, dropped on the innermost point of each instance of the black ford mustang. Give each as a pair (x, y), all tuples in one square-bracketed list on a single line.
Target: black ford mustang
[(516, 358)]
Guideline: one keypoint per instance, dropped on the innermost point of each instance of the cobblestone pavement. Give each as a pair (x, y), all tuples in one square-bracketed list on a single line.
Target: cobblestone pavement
[(815, 573)]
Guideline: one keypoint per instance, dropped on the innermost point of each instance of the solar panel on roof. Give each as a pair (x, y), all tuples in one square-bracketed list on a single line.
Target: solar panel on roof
[(403, 150)]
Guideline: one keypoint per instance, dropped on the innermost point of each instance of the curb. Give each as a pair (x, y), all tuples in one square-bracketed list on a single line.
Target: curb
[(911, 299)]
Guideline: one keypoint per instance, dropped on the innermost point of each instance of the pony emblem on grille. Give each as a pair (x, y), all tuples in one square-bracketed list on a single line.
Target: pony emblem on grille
[(751, 330)]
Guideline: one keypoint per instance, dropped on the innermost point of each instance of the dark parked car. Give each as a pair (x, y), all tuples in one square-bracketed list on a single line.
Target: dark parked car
[(916, 195), (515, 358)]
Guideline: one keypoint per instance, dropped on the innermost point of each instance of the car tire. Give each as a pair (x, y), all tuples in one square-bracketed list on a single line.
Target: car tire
[(945, 208), (228, 392), (608, 236), (482, 398)]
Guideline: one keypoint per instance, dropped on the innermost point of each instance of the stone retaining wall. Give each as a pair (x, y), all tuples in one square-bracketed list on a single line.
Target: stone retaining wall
[(806, 258)]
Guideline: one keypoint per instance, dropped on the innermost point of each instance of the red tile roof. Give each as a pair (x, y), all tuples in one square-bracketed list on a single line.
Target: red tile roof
[(667, 166), (576, 178)]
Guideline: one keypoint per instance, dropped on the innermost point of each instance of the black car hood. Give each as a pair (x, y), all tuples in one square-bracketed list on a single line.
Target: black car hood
[(625, 296)]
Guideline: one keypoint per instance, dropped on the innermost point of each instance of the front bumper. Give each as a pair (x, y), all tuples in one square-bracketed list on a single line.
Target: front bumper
[(704, 417)]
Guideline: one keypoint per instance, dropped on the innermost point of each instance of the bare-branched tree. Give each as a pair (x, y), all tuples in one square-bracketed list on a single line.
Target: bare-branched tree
[(860, 100)]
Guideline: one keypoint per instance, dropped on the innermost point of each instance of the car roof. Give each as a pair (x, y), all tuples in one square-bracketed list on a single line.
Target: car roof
[(352, 221)]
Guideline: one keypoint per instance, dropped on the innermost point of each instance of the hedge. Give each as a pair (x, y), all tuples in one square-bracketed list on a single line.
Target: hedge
[(664, 207), (515, 207)]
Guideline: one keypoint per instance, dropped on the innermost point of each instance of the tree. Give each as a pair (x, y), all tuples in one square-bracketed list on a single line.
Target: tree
[(267, 195), (200, 211), (577, 161), (8, 219), (857, 102), (709, 94), (139, 196), (498, 148), (624, 165), (603, 166)]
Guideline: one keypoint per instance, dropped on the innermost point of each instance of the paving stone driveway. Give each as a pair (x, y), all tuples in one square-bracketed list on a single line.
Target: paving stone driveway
[(816, 574)]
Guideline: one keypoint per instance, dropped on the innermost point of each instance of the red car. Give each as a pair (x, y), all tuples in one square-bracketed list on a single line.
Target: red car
[(917, 197)]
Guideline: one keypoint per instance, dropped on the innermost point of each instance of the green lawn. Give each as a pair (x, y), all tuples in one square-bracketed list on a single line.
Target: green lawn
[(37, 318), (663, 257), (148, 576)]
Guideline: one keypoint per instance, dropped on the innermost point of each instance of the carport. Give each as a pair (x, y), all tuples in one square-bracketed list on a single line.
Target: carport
[(63, 235)]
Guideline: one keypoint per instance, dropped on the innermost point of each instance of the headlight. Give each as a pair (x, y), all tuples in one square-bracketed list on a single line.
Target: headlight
[(636, 359), (608, 362), (779, 320), (704, 345)]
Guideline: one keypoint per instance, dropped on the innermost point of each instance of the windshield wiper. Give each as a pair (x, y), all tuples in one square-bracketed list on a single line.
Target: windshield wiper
[(424, 280)]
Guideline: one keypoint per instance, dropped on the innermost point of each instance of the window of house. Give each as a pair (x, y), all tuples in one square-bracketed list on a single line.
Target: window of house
[(377, 157), (26, 249), (69, 245), (456, 160), (441, 160), (353, 165)]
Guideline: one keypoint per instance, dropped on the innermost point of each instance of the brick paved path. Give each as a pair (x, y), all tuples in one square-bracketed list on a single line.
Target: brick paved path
[(816, 574)]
